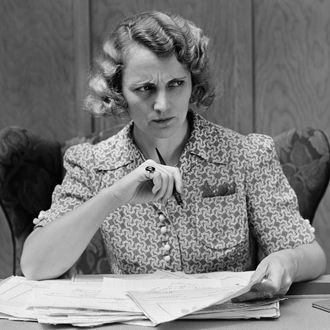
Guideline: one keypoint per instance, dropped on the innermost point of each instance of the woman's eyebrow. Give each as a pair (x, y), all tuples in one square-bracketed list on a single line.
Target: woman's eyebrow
[(178, 78), (138, 82), (141, 82)]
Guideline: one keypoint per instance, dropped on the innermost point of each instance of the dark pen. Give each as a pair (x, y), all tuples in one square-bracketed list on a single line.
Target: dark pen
[(176, 195)]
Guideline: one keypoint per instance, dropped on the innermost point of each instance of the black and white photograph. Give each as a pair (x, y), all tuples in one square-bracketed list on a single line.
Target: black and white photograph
[(164, 164)]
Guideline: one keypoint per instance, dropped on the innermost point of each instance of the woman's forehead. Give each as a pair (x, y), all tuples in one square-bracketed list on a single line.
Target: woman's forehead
[(142, 62)]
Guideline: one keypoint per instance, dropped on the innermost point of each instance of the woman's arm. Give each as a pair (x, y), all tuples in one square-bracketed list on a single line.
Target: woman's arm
[(284, 236), (275, 273), (51, 250)]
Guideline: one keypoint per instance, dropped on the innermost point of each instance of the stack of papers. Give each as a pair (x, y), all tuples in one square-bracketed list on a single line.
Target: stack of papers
[(148, 299)]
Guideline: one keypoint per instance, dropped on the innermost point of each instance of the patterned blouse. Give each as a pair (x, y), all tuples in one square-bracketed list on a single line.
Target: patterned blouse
[(235, 197)]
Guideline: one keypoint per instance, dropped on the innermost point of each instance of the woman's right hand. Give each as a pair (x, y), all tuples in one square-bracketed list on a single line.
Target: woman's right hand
[(141, 186)]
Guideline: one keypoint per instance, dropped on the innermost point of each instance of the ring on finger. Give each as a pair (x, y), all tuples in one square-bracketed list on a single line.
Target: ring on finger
[(150, 170)]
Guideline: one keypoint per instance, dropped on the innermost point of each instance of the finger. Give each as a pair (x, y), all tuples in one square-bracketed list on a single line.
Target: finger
[(253, 295), (260, 273), (163, 187), (278, 282), (149, 171), (162, 178), (157, 182), (264, 286), (273, 283), (177, 179), (168, 185), (257, 277), (167, 181)]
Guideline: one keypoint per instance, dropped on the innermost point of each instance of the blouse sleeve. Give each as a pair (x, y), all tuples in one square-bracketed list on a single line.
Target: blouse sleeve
[(272, 204), (77, 185)]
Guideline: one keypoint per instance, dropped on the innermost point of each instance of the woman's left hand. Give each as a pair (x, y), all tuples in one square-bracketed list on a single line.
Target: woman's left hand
[(273, 276)]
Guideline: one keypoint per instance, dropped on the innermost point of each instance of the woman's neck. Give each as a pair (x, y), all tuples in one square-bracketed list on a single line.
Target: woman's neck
[(170, 148)]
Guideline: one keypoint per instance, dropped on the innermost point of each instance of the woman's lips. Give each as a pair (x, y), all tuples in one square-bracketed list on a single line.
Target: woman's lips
[(163, 121)]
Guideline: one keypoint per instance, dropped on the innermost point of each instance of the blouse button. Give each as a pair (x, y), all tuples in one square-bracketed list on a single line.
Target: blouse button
[(167, 247), (167, 258), (36, 221), (161, 217), (163, 230)]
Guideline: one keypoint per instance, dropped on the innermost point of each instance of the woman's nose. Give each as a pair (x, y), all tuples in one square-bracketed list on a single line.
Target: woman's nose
[(161, 101)]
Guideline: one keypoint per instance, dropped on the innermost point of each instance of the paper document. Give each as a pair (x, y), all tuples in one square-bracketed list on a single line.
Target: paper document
[(89, 295), (144, 299), (15, 297), (164, 304)]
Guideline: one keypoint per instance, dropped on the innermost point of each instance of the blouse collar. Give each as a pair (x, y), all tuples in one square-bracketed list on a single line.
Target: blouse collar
[(207, 140)]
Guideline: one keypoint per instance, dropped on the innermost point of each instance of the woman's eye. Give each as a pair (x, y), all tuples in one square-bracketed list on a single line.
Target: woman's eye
[(145, 88), (176, 83)]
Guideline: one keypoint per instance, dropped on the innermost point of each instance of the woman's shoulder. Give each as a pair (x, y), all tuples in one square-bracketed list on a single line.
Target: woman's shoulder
[(230, 135), (106, 154), (248, 141), (237, 144), (259, 142), (79, 154), (96, 144)]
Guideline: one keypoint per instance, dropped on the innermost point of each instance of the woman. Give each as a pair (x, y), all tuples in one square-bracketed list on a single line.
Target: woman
[(234, 193)]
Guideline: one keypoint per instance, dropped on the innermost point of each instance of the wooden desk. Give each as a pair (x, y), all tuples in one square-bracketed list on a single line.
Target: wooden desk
[(296, 313)]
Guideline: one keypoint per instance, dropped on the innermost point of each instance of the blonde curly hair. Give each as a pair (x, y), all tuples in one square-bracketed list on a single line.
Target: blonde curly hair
[(164, 34)]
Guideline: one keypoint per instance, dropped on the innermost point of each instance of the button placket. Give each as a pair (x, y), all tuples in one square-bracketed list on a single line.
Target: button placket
[(165, 237)]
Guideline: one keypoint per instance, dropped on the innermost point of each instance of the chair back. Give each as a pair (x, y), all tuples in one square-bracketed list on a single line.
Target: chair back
[(7, 250), (30, 168), (305, 158)]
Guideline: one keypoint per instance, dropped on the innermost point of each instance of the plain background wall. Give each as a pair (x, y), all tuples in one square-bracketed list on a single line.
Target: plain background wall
[(271, 61)]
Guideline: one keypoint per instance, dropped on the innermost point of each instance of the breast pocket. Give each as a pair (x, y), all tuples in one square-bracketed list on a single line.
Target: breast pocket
[(222, 221)]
